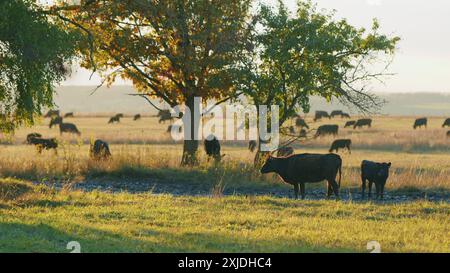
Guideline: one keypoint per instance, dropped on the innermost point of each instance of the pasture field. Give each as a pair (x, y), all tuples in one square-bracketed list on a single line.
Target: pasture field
[(143, 201)]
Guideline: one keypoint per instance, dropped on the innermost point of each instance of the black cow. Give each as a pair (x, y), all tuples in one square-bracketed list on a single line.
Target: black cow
[(164, 115), (212, 148), (345, 115), (446, 123), (252, 144), (68, 128), (99, 150), (285, 151), (31, 136), (69, 115), (327, 130), (321, 114), (52, 113), (336, 113), (114, 119), (137, 117), (300, 122), (55, 121), (307, 168), (42, 143), (363, 122), (420, 122), (350, 123), (120, 115), (377, 173), (341, 144)]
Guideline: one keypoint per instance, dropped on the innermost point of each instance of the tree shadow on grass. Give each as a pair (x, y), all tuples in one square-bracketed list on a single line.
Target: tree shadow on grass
[(43, 238)]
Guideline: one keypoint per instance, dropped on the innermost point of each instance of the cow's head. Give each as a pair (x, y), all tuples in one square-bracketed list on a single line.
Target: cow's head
[(269, 166), (383, 170)]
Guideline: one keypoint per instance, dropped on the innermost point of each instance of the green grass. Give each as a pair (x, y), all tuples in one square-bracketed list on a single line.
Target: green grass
[(37, 219)]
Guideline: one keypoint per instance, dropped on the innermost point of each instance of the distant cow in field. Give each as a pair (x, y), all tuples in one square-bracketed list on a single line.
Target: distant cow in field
[(99, 150), (164, 115), (52, 113), (341, 144), (68, 128), (55, 121), (42, 143), (252, 144), (336, 113), (446, 123), (420, 122), (307, 168), (321, 114), (375, 173), (300, 122), (327, 130), (350, 123), (212, 148), (363, 122), (119, 115), (69, 115), (31, 136), (285, 151), (137, 117), (114, 119), (345, 115)]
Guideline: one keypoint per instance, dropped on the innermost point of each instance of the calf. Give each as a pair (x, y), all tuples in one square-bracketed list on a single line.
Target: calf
[(341, 143), (307, 168), (299, 122), (321, 114), (350, 123), (420, 122), (285, 151), (68, 128), (446, 123), (327, 130), (363, 122), (137, 117), (212, 148), (377, 173), (42, 143), (99, 150)]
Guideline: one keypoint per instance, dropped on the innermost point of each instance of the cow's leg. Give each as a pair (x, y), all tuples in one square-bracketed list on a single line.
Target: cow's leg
[(330, 190), (382, 191), (296, 190), (377, 189), (363, 187), (335, 187), (349, 150), (302, 190), (370, 189)]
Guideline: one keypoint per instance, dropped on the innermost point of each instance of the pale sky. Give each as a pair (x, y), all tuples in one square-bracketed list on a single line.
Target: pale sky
[(422, 63)]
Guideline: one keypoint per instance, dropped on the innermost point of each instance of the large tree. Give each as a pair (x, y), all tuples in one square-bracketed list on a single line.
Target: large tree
[(310, 53), (33, 54), (172, 50)]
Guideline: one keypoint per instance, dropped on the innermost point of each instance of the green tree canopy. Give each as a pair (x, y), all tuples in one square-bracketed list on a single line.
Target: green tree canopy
[(33, 54)]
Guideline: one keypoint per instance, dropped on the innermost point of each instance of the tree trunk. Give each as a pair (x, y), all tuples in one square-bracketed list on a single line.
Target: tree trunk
[(191, 137)]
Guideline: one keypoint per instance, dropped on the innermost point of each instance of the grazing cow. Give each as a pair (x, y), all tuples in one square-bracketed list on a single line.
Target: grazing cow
[(55, 121), (377, 173), (446, 123), (31, 136), (345, 115), (307, 168), (363, 122), (69, 115), (350, 123), (42, 143), (252, 144), (300, 122), (336, 113), (164, 115), (114, 119), (52, 113), (327, 130), (137, 117), (68, 128), (321, 114), (420, 122), (99, 150), (341, 144), (212, 148), (285, 151)]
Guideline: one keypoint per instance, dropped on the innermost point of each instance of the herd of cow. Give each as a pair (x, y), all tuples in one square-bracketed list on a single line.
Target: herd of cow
[(291, 168)]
